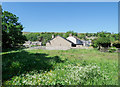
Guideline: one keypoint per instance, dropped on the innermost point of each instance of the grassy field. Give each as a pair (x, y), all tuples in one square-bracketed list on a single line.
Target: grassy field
[(58, 67)]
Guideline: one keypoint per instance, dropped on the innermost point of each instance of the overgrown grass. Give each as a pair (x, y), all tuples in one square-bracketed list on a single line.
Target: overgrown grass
[(59, 67)]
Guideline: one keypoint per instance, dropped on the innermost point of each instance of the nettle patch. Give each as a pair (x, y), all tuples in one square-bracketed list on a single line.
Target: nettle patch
[(66, 75)]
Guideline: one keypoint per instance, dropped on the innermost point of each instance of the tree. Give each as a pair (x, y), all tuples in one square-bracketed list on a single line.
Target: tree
[(82, 36), (115, 36), (102, 42), (0, 28), (69, 32), (11, 30), (33, 36), (103, 34)]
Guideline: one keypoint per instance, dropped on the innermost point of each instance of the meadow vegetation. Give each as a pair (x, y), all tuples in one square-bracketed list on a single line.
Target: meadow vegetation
[(59, 67), (56, 67)]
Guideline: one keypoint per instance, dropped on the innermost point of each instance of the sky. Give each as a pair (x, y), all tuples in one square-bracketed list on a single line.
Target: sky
[(81, 17)]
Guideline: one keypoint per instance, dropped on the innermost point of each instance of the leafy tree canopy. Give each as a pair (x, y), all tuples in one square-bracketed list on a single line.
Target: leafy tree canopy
[(11, 30), (68, 33)]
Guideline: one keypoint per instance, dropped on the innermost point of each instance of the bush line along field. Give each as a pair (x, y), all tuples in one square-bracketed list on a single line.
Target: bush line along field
[(58, 67)]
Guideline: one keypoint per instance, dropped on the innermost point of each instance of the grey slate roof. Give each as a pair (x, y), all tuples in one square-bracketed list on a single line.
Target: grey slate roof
[(63, 38)]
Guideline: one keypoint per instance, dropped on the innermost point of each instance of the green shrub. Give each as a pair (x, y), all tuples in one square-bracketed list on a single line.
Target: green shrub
[(34, 45), (112, 49), (116, 44), (95, 43)]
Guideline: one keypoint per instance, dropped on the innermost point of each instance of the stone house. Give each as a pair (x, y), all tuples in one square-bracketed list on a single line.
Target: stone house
[(87, 43), (69, 42), (29, 43), (77, 42), (91, 38), (59, 41), (36, 43)]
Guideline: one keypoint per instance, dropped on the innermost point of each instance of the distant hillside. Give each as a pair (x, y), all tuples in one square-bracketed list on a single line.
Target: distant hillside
[(48, 32)]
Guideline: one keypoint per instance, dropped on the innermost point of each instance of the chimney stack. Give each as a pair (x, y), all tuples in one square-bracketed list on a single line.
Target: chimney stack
[(52, 36)]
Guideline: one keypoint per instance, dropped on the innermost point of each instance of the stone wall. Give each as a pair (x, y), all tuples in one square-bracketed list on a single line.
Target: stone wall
[(50, 48), (57, 48)]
